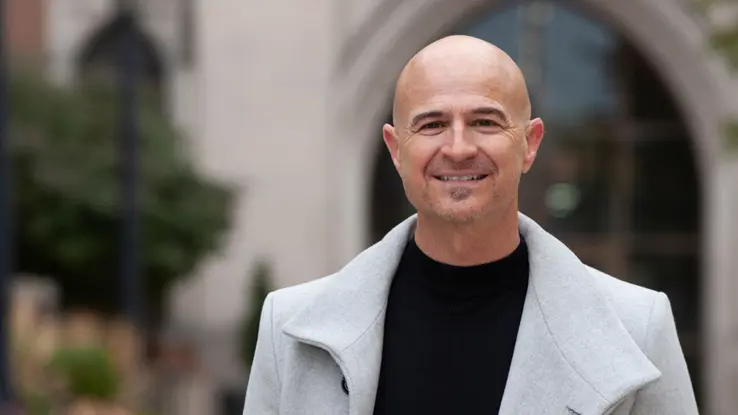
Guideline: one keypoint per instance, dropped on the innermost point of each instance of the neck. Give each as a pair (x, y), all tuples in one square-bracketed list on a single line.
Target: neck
[(466, 244)]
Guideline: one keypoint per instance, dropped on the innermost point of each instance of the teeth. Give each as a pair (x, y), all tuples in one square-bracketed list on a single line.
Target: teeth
[(461, 178)]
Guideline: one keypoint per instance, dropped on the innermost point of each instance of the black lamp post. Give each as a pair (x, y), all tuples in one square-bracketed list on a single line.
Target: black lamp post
[(128, 67), (5, 225)]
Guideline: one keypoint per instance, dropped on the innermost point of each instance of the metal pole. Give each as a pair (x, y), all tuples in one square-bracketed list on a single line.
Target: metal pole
[(129, 147), (5, 225)]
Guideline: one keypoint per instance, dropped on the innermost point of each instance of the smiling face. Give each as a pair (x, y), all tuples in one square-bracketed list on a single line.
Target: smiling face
[(462, 134)]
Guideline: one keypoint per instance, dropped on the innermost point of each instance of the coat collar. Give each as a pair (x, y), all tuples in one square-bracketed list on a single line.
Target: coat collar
[(571, 346)]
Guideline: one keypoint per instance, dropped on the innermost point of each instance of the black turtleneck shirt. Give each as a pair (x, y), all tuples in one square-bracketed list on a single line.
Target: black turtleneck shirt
[(449, 335)]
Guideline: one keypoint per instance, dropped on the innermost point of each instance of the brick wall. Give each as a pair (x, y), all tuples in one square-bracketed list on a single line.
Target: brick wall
[(25, 27)]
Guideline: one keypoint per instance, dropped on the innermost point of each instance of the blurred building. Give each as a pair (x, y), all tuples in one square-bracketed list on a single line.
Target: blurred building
[(288, 99)]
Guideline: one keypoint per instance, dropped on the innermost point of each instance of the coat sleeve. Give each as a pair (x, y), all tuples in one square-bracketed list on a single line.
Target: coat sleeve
[(672, 393), (263, 389)]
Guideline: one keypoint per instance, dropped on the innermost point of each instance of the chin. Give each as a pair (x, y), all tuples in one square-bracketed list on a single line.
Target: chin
[(459, 212)]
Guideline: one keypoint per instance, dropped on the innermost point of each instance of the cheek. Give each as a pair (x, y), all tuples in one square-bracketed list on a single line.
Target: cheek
[(414, 159), (505, 152)]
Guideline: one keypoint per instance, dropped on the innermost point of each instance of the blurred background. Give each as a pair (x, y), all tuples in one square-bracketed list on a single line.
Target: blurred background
[(166, 163)]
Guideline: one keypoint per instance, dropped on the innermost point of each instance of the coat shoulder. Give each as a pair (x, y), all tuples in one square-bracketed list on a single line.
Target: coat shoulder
[(632, 303), (288, 301)]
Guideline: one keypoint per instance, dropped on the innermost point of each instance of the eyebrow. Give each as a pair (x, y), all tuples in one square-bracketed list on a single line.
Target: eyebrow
[(424, 115), (497, 112)]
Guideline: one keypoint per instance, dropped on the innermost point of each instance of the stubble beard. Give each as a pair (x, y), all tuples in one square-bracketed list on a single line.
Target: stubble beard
[(460, 194), (453, 210)]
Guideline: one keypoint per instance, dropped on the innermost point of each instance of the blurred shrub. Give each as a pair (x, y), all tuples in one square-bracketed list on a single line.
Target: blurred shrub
[(250, 330), (65, 156), (87, 372), (38, 404)]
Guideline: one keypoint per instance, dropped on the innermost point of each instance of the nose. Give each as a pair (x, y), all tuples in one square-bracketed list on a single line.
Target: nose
[(459, 147)]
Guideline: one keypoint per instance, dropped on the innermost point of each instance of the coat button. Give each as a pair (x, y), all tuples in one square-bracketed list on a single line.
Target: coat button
[(344, 385)]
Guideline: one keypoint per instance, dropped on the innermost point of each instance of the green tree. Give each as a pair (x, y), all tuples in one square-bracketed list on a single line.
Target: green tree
[(65, 157), (250, 331), (724, 40)]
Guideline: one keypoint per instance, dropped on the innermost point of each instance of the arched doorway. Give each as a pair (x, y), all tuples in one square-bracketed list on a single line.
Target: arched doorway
[(616, 178)]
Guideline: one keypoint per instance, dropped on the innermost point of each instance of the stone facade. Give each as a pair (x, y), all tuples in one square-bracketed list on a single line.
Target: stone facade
[(284, 101)]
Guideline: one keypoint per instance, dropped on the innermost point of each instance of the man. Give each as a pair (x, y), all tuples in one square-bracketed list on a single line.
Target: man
[(468, 307)]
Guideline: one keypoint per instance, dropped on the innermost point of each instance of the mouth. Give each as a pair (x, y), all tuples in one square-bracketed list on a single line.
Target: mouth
[(467, 178)]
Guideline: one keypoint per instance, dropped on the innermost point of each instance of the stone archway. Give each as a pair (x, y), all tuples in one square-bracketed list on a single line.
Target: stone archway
[(662, 32)]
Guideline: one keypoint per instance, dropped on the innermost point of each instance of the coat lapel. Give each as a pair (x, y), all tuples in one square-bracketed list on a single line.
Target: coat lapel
[(347, 317), (571, 351)]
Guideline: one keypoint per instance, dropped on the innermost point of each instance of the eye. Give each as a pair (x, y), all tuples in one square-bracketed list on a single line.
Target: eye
[(432, 125), (485, 123)]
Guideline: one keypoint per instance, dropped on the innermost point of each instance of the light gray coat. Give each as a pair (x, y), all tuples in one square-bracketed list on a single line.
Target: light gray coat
[(588, 343)]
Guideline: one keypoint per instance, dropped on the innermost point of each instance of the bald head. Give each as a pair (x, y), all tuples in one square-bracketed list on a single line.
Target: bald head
[(461, 60), (461, 139)]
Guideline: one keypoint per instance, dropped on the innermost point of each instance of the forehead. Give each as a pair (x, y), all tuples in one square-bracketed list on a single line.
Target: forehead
[(457, 87)]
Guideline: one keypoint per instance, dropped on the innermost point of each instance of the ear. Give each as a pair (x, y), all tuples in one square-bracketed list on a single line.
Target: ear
[(393, 144), (533, 138)]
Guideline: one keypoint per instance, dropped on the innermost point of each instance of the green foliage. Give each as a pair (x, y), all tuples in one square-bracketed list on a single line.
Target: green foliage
[(37, 404), (87, 372), (725, 42), (250, 332), (732, 136), (64, 149)]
